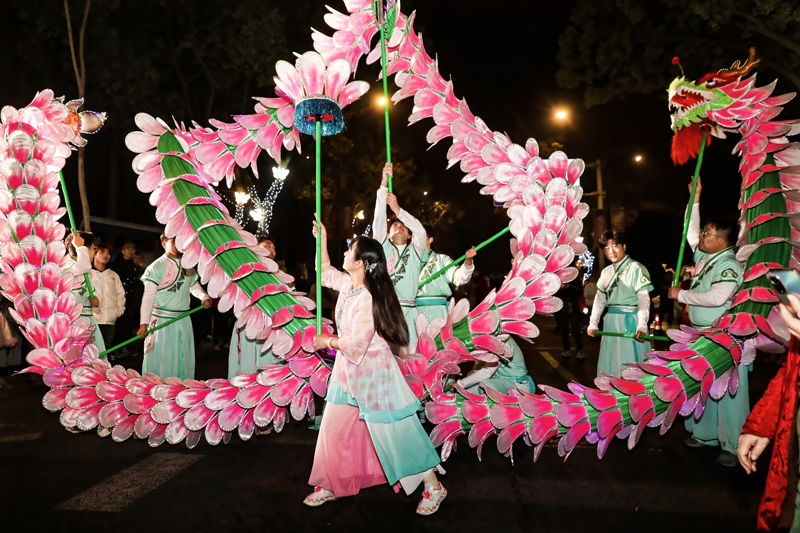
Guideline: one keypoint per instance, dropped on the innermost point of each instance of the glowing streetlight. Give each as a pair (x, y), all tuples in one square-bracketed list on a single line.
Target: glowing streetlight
[(425, 193), (638, 159), (360, 215), (381, 101), (561, 114)]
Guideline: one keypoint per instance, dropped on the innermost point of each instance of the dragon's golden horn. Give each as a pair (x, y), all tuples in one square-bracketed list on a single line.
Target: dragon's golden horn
[(742, 69)]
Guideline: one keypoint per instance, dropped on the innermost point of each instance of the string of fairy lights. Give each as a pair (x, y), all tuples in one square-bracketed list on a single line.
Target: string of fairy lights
[(261, 210)]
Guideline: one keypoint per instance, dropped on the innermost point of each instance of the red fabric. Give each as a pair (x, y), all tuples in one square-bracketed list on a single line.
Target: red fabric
[(773, 418)]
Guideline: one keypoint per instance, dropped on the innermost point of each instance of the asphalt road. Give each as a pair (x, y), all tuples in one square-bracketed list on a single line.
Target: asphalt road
[(51, 480)]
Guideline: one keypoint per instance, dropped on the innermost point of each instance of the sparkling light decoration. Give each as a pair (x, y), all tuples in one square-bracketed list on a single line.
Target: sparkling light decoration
[(262, 209), (587, 260), (241, 200)]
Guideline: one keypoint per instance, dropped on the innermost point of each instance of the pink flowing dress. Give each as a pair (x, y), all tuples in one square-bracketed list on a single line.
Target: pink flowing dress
[(370, 433)]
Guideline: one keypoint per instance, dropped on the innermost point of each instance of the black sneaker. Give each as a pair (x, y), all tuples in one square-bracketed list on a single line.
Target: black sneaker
[(727, 459)]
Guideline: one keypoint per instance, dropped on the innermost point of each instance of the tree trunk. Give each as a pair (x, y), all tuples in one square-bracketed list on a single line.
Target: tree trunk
[(80, 78), (113, 178), (87, 224)]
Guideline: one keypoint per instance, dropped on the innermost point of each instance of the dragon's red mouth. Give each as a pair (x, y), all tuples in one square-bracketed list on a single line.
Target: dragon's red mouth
[(687, 99)]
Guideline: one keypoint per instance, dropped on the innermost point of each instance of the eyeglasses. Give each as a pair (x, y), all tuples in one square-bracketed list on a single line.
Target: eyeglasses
[(708, 233)]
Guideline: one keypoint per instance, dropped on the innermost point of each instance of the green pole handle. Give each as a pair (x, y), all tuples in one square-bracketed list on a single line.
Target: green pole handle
[(149, 331), (385, 96), (74, 226), (631, 336), (319, 234), (457, 261), (677, 280)]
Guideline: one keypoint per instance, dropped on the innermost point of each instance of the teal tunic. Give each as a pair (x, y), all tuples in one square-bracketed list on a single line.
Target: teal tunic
[(81, 292), (434, 298), (722, 420), (169, 352), (722, 267), (245, 355), (405, 266), (510, 374), (619, 284)]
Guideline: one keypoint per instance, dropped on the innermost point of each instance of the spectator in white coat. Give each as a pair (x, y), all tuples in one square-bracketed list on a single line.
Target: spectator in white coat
[(110, 292)]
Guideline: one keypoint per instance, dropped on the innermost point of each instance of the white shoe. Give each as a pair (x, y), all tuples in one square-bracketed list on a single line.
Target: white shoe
[(318, 497), (431, 499)]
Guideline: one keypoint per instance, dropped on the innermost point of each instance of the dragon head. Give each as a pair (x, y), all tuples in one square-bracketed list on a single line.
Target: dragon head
[(702, 104)]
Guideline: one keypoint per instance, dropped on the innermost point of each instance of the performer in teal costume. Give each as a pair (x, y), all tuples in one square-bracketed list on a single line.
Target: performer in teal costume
[(169, 352), (717, 274), (78, 263), (245, 355), (433, 299), (624, 288), (405, 247), (501, 375)]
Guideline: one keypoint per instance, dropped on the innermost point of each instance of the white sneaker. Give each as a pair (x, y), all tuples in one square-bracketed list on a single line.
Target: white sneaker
[(431, 500), (318, 497)]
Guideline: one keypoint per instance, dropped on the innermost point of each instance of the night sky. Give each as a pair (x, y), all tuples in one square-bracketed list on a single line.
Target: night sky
[(501, 57)]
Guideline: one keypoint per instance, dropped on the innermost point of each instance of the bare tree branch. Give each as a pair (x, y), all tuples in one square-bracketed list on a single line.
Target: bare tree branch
[(72, 47), (757, 26), (82, 87)]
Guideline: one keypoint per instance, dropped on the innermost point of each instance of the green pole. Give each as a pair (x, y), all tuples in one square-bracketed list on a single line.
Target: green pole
[(319, 234), (149, 331), (677, 279), (385, 94), (74, 227), (457, 261), (631, 336)]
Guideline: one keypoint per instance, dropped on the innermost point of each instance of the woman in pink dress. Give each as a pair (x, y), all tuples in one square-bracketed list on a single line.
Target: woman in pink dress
[(370, 432)]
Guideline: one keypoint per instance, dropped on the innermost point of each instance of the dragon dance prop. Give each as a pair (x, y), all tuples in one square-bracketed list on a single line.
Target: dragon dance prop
[(151, 331), (385, 18), (86, 278), (180, 168), (677, 279), (632, 336), (318, 113), (457, 261)]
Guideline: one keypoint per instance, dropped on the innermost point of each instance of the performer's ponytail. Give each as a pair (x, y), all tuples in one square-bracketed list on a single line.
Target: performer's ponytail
[(387, 313)]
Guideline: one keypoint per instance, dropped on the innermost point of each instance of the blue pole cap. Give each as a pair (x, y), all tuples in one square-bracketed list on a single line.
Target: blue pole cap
[(318, 108)]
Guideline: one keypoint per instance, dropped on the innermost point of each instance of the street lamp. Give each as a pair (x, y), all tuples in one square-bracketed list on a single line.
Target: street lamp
[(638, 158), (561, 115), (381, 101)]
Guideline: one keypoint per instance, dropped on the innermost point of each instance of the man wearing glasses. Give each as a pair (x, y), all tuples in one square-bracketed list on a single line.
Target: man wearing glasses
[(717, 274)]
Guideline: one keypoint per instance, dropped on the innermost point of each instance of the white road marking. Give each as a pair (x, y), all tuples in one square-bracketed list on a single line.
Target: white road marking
[(561, 370), (119, 491), (25, 437)]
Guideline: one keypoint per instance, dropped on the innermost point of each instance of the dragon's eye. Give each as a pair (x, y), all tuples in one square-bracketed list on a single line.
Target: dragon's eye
[(711, 83)]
